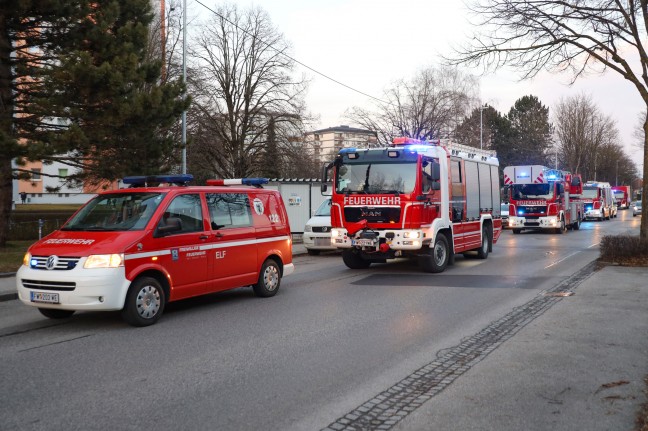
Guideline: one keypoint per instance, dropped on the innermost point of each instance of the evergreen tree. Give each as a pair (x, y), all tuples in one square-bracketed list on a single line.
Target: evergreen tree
[(75, 87), (111, 116), (531, 132)]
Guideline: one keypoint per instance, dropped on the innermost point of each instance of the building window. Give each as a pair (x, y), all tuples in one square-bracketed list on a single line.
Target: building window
[(63, 173), (36, 174)]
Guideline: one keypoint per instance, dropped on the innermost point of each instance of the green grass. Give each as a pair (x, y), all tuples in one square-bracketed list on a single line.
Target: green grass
[(11, 255)]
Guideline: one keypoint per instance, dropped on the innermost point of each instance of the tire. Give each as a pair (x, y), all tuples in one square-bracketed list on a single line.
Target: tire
[(516, 231), (144, 303), (577, 223), (561, 229), (52, 313), (482, 252), (437, 257), (353, 260), (312, 252), (269, 280)]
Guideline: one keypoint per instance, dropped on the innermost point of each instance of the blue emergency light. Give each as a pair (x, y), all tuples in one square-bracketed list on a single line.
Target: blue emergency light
[(153, 180)]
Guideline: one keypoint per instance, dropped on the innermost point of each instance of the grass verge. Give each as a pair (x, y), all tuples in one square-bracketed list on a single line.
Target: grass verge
[(11, 255)]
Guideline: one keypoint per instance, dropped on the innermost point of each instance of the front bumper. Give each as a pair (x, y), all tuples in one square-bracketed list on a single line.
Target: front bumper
[(598, 214), (403, 239), (317, 241), (550, 222), (86, 289)]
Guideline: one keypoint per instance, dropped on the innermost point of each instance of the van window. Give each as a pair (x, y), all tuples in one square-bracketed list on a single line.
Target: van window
[(229, 210), (186, 210)]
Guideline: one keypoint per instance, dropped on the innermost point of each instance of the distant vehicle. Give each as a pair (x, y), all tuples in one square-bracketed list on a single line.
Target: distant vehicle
[(636, 208), (622, 196), (504, 212), (317, 232)]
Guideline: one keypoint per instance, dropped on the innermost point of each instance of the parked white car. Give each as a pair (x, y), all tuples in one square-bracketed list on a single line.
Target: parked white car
[(636, 208), (317, 232)]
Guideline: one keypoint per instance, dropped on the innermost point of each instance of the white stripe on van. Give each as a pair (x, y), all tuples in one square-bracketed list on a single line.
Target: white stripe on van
[(208, 246)]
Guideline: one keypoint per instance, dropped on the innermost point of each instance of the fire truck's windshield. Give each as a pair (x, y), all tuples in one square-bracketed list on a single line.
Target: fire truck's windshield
[(116, 212), (375, 178), (525, 191), (590, 192)]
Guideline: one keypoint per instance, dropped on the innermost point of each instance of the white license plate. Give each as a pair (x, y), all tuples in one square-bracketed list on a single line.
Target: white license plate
[(322, 242), (50, 298), (364, 242)]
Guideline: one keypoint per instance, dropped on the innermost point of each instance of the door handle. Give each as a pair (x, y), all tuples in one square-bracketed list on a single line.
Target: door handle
[(219, 235), (203, 237)]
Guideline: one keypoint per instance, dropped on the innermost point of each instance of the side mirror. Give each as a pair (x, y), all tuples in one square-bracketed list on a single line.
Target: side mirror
[(324, 188), (436, 172)]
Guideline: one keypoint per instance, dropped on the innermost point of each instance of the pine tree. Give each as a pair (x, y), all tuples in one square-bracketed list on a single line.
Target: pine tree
[(531, 132), (75, 86)]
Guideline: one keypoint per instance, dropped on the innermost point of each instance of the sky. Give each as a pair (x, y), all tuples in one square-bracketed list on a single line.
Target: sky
[(368, 44)]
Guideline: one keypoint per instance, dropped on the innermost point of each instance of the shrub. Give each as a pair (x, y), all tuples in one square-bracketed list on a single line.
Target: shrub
[(624, 250)]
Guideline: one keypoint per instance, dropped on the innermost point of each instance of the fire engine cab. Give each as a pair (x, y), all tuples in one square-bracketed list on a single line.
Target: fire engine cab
[(543, 198), (599, 201), (414, 199), (135, 249)]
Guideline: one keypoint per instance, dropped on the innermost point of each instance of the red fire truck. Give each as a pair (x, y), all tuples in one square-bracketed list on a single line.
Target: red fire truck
[(622, 196), (543, 198), (415, 199), (598, 201)]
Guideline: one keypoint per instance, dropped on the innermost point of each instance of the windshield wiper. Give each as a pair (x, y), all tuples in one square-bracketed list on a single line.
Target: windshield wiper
[(393, 192)]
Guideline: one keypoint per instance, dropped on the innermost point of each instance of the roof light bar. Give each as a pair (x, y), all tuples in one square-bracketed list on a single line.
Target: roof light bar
[(154, 180), (239, 181)]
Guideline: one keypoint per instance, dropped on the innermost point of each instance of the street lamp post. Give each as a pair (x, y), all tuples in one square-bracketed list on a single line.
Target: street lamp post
[(184, 81), (481, 126)]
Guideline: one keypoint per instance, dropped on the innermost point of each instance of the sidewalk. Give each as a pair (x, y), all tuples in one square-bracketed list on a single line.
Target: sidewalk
[(8, 280)]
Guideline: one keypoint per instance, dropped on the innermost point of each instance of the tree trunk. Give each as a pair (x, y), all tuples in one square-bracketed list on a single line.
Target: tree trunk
[(6, 197), (6, 130), (643, 231)]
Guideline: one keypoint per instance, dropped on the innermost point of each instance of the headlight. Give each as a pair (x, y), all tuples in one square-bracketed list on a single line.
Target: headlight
[(411, 234), (26, 259), (308, 228), (104, 261), (336, 233)]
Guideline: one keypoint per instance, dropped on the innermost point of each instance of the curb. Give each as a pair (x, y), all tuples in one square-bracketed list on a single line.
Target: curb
[(7, 274), (8, 296)]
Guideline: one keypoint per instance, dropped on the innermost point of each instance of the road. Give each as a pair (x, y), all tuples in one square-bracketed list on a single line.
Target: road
[(331, 339)]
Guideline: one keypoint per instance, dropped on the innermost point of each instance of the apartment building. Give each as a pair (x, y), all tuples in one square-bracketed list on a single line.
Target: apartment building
[(327, 142)]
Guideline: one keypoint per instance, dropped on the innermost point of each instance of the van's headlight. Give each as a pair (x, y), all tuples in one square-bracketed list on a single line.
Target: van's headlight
[(27, 259), (308, 228), (104, 261)]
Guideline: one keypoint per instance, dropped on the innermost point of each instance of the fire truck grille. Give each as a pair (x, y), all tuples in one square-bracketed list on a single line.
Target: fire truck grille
[(49, 285), (372, 214), (523, 211), (60, 263)]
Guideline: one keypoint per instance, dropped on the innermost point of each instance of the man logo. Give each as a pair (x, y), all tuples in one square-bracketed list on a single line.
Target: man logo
[(51, 262)]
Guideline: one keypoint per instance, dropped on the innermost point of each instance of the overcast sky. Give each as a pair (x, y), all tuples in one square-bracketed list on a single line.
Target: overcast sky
[(368, 44)]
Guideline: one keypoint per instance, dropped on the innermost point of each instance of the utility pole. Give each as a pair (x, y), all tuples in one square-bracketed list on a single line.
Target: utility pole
[(184, 81)]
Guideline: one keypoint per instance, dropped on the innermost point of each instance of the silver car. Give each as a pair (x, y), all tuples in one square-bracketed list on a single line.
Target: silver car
[(636, 208)]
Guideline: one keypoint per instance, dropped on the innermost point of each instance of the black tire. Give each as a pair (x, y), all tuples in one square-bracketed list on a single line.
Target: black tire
[(561, 229), (269, 280), (353, 260), (144, 303), (577, 223), (516, 231), (53, 313), (482, 252), (436, 259), (312, 252)]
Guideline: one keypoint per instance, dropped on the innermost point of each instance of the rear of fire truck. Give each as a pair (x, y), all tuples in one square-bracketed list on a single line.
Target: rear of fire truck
[(395, 202)]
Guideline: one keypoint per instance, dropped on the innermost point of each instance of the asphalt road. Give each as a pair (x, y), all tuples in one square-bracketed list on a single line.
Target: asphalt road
[(330, 340)]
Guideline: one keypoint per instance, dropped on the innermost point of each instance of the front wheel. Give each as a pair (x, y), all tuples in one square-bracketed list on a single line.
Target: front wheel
[(561, 228), (577, 223), (52, 313), (269, 279), (145, 302), (353, 260), (437, 257)]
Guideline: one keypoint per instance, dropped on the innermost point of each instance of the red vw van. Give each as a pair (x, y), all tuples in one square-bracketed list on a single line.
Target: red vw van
[(136, 249)]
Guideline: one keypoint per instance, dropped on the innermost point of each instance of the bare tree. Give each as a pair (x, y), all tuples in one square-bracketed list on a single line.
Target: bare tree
[(576, 36), (583, 132), (244, 91), (429, 106)]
